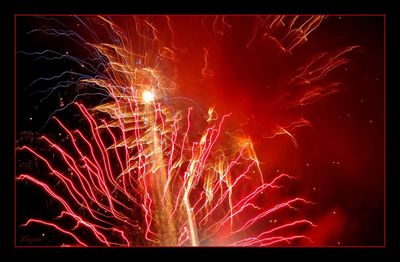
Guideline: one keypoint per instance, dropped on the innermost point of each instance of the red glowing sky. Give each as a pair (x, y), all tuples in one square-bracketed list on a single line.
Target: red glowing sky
[(339, 159)]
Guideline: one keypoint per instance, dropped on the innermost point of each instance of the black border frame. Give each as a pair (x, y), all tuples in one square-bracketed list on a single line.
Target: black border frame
[(178, 6)]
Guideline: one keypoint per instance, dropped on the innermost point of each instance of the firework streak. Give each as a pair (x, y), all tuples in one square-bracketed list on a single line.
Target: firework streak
[(142, 172)]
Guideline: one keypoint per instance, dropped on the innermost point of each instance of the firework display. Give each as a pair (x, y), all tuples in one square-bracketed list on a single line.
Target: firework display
[(133, 148)]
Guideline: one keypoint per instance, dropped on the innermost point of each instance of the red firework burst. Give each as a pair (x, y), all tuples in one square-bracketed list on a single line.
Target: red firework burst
[(146, 166)]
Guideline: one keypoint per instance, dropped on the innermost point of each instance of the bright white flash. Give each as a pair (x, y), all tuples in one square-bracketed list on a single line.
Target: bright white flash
[(148, 96)]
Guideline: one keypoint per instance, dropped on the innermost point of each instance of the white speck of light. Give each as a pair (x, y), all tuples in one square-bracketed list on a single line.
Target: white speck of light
[(148, 96)]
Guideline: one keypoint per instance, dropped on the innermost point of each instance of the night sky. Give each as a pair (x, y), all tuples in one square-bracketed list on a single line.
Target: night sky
[(338, 160)]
